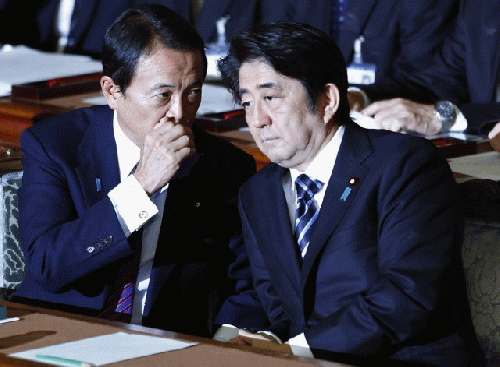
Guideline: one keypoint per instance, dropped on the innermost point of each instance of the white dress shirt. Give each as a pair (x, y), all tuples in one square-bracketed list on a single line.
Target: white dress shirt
[(66, 8), (134, 210), (320, 169)]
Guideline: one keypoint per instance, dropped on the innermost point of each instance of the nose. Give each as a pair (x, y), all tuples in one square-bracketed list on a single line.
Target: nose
[(258, 116), (175, 111)]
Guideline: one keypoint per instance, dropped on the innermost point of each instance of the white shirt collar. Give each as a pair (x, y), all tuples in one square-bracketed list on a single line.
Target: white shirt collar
[(128, 153), (322, 165)]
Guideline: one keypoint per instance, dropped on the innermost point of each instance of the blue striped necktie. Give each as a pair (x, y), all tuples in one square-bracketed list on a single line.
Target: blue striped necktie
[(307, 210)]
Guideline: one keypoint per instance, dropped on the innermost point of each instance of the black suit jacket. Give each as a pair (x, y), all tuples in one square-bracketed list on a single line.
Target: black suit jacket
[(382, 275), (465, 70), (33, 23), (73, 242), (243, 14), (396, 32)]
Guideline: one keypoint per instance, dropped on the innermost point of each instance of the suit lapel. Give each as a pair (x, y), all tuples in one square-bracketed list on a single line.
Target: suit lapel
[(341, 192), (356, 15), (84, 12), (268, 212), (492, 42), (97, 167)]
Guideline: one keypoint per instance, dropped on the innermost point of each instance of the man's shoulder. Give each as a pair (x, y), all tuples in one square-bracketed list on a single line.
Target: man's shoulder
[(67, 128), (390, 143), (74, 120)]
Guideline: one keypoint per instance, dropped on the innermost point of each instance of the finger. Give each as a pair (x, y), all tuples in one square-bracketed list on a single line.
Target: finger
[(241, 341), (495, 131)]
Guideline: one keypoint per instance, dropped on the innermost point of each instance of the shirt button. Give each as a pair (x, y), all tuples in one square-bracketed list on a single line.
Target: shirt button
[(143, 214)]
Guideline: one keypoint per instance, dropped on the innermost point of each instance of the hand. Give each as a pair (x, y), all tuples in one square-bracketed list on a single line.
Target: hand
[(494, 136), (400, 115), (356, 100), (165, 147), (260, 341)]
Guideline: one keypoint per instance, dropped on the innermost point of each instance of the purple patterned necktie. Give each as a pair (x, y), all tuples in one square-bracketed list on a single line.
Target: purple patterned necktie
[(119, 304), (306, 209)]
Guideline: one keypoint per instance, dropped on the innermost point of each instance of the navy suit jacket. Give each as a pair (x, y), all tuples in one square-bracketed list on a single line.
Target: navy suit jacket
[(382, 275), (396, 32), (465, 70), (73, 242), (243, 14), (32, 23)]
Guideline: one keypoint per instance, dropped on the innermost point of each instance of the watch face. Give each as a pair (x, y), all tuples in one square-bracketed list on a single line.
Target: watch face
[(445, 110)]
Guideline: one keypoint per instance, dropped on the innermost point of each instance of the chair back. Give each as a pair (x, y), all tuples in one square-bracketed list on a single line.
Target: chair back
[(12, 267), (481, 260)]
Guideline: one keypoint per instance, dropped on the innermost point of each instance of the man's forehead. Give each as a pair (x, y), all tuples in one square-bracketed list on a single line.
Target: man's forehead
[(260, 75)]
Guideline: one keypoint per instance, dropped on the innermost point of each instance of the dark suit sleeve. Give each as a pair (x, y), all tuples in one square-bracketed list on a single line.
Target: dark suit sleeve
[(439, 74), (243, 309), (62, 239), (417, 264)]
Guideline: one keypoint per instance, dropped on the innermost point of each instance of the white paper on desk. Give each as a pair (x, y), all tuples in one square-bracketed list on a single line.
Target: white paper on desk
[(483, 165), (21, 64), (104, 349), (215, 98)]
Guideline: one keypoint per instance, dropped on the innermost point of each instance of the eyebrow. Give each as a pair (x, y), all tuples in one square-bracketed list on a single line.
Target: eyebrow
[(197, 83), (270, 85)]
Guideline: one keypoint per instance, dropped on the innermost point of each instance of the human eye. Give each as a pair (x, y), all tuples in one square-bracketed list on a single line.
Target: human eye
[(272, 99), (162, 96), (245, 104), (194, 94)]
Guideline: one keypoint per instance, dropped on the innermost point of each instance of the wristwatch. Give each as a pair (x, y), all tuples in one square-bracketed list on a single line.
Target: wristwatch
[(446, 113)]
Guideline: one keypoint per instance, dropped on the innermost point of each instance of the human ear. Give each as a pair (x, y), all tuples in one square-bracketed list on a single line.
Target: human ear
[(331, 98), (110, 91)]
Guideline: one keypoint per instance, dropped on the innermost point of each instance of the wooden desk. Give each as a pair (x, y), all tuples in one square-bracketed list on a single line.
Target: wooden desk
[(41, 327)]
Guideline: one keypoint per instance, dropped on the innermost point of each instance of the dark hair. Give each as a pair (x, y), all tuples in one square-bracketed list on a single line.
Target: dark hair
[(294, 50), (139, 31)]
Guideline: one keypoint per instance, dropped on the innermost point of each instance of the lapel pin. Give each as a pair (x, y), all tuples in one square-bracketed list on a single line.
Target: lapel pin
[(353, 181), (98, 184), (345, 194)]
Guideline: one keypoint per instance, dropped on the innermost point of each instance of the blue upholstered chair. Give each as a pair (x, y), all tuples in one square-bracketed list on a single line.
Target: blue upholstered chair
[(12, 266), (481, 259)]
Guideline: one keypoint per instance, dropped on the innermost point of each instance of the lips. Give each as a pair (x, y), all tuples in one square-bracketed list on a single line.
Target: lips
[(269, 139), (266, 136)]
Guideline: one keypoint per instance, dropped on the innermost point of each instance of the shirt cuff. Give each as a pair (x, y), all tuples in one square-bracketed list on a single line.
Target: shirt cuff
[(132, 204), (300, 346), (226, 333), (460, 123)]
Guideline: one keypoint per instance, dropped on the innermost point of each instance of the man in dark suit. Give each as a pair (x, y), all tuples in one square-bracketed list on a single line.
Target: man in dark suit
[(133, 197), (243, 14), (36, 23), (464, 72), (395, 32), (351, 236)]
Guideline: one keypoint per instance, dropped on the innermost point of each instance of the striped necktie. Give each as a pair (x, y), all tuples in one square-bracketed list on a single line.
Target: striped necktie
[(119, 304), (307, 210)]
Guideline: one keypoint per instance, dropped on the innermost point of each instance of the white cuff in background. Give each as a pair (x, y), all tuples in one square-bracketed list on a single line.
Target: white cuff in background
[(132, 204), (460, 123), (300, 346), (226, 333)]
